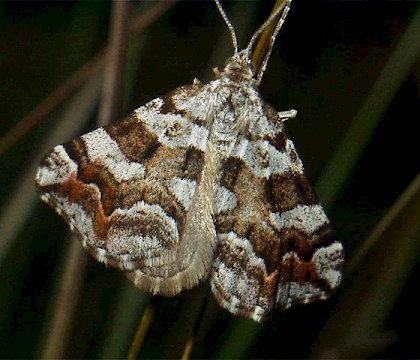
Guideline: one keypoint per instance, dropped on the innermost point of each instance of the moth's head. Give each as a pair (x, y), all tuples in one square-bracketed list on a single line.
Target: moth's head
[(239, 67)]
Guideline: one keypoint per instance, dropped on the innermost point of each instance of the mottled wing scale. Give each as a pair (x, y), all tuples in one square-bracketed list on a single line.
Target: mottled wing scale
[(126, 190), (277, 248)]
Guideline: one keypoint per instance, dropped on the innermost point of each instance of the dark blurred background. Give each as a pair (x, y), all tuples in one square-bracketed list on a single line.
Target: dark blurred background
[(350, 68)]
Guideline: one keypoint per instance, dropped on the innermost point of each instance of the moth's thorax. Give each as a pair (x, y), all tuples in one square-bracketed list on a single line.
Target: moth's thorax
[(232, 107), (235, 94)]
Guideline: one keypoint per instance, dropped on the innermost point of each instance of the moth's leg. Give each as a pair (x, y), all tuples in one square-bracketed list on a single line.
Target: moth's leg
[(286, 115)]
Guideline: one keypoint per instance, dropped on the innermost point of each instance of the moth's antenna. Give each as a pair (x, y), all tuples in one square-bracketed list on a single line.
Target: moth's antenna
[(229, 25), (284, 7)]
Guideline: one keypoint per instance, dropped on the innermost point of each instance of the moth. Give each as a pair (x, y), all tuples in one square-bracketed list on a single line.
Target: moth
[(202, 183)]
